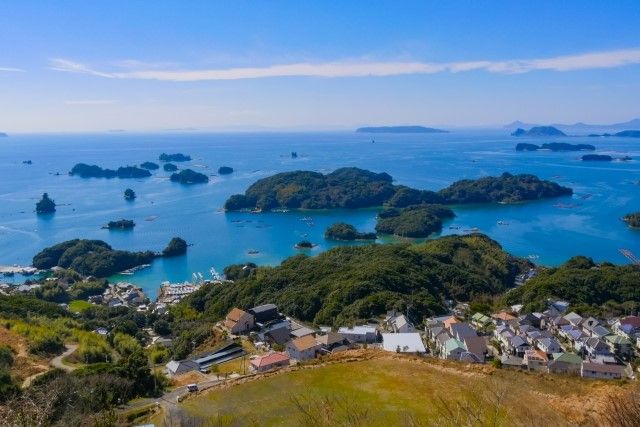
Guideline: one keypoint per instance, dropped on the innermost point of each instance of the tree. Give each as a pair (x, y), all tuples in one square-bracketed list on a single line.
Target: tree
[(45, 205)]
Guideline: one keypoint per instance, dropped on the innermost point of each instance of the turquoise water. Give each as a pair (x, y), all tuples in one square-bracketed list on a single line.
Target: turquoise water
[(431, 162)]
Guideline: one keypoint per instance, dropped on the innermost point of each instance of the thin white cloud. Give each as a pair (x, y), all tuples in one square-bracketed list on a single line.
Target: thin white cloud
[(11, 70), (90, 102), (586, 61)]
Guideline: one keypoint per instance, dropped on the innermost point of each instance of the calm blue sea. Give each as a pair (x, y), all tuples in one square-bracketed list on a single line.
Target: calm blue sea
[(604, 192)]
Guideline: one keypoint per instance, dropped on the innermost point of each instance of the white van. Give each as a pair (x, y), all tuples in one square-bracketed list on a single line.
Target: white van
[(192, 388)]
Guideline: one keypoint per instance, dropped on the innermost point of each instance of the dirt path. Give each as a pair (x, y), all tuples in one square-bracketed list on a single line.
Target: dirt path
[(57, 362)]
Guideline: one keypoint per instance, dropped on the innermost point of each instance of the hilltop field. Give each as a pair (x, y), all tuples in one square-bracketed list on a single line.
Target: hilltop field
[(369, 387)]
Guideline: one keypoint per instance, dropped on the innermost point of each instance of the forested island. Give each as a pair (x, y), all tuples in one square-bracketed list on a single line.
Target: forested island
[(225, 170), (45, 205), (539, 131), (304, 244), (596, 158), (84, 170), (150, 166), (346, 232), (358, 188), (413, 221), (129, 194), (399, 129), (98, 259), (348, 283), (632, 219), (554, 146), (177, 157), (121, 224), (169, 167), (188, 176)]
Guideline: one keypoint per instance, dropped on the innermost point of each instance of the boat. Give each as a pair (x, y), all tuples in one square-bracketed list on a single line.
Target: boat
[(253, 252), (501, 222)]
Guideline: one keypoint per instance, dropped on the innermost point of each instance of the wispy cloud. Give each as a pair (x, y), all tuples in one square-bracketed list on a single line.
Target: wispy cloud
[(90, 102), (11, 70), (585, 61)]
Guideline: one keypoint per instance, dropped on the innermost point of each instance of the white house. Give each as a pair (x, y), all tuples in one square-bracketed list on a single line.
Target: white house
[(403, 343), (359, 334)]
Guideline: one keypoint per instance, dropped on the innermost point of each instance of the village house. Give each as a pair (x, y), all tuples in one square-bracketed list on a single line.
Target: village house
[(397, 322), (565, 363), (480, 321), (264, 313), (511, 361), (453, 349), (332, 342), (303, 348), (462, 330), (549, 345), (269, 362), (275, 332), (359, 334), (627, 326), (238, 321), (409, 342), (619, 345), (477, 346), (592, 347), (601, 371), (504, 318), (536, 360)]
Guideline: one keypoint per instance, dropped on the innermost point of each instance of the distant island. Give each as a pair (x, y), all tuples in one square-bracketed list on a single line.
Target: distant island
[(3, 135), (399, 129), (358, 188), (129, 194), (121, 224), (346, 232), (177, 157), (596, 158), (170, 167), (304, 244), (632, 219), (150, 166), (539, 131), (225, 170), (96, 258), (188, 176), (581, 128), (623, 134), (554, 146), (413, 221), (84, 170), (45, 205)]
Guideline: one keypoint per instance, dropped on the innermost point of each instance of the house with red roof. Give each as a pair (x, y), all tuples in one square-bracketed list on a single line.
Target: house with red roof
[(269, 362)]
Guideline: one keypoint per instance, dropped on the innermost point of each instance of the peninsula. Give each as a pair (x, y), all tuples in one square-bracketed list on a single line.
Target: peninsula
[(554, 146), (399, 129), (188, 176), (539, 131), (84, 170), (96, 258), (346, 232), (358, 188)]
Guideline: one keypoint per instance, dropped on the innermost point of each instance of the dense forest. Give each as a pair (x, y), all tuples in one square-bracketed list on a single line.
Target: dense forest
[(358, 188), (413, 221), (591, 288), (349, 283)]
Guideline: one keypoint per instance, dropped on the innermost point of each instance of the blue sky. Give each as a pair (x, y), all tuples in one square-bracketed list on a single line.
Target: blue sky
[(153, 65)]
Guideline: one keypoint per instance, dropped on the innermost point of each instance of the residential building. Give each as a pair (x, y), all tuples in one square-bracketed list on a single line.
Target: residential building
[(269, 362), (480, 321), (453, 349), (238, 321), (536, 360), (619, 345), (565, 363), (602, 371), (409, 342), (303, 348), (360, 334), (549, 345), (265, 313), (332, 342)]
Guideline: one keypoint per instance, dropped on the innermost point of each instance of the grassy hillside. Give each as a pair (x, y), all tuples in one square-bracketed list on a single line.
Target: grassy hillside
[(389, 389), (349, 283)]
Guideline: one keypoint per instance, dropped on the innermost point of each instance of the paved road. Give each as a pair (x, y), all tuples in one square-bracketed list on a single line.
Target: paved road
[(57, 362)]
